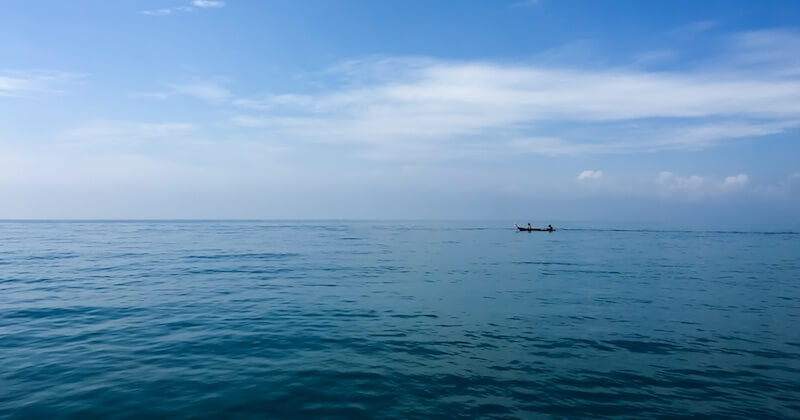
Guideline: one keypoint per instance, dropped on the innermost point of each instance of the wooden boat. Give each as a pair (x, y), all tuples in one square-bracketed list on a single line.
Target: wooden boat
[(534, 229)]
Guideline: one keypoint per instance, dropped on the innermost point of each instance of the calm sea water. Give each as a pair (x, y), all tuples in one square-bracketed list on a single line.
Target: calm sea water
[(395, 320)]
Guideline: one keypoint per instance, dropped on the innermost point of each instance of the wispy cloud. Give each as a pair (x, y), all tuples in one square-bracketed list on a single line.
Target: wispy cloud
[(770, 50), (18, 83), (526, 3), (209, 90), (695, 28), (447, 100), (207, 3), (158, 12), (195, 4), (401, 104), (655, 57), (152, 94)]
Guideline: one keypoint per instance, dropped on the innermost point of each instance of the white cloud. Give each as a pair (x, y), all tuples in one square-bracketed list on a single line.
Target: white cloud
[(208, 3), (540, 109), (13, 85), (735, 181), (669, 179), (696, 187), (441, 100), (498, 107), (157, 12), (590, 174)]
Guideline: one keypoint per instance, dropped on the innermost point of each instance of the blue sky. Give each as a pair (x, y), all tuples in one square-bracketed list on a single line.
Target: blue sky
[(521, 110)]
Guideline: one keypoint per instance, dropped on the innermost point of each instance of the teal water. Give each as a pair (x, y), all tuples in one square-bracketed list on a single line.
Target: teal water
[(395, 320)]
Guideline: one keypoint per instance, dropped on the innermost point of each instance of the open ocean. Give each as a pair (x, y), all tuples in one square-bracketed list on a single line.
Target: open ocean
[(396, 320)]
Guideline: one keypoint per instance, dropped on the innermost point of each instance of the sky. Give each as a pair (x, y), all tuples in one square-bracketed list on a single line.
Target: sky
[(520, 110)]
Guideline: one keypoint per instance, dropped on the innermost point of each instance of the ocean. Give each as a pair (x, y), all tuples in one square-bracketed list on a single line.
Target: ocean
[(373, 319)]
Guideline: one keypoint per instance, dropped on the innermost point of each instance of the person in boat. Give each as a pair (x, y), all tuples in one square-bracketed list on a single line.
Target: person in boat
[(550, 227), (529, 226)]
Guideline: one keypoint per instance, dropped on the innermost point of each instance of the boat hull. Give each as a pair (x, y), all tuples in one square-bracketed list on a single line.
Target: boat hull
[(533, 229)]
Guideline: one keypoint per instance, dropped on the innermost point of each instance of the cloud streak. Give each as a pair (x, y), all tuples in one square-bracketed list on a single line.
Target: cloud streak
[(157, 12), (195, 4), (208, 3), (20, 83), (205, 90)]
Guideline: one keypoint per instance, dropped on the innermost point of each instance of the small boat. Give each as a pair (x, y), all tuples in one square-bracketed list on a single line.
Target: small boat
[(549, 228)]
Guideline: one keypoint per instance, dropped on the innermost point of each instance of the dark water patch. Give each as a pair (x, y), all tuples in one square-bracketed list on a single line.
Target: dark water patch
[(66, 314), (569, 343), (264, 256), (773, 354), (646, 346), (51, 256), (615, 273), (414, 316), (237, 270), (544, 263)]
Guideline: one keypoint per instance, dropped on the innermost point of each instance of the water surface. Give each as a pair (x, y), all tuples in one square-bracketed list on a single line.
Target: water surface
[(395, 320)]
